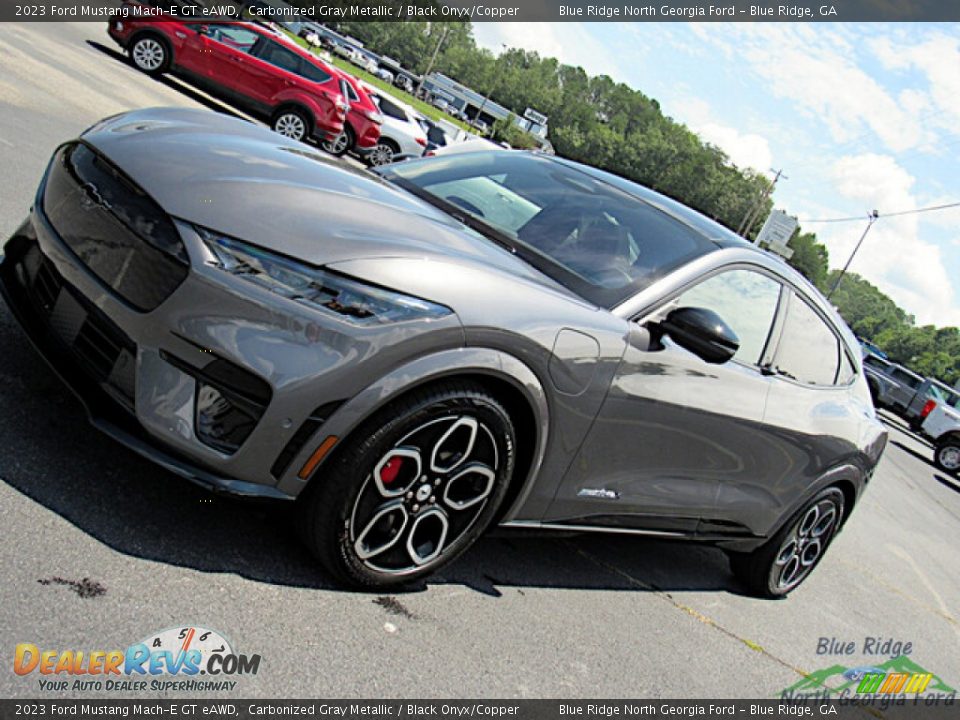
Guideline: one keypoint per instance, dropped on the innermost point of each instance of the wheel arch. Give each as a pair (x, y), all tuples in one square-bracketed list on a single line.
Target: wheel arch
[(506, 377), (949, 435), (848, 478), (387, 140)]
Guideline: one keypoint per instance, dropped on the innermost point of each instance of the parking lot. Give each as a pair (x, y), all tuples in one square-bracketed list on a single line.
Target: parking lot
[(100, 548)]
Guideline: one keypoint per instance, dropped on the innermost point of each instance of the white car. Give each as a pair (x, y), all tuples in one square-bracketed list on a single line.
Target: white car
[(400, 133), (471, 144), (942, 426)]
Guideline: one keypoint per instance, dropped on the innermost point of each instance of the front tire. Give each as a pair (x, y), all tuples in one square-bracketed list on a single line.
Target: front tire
[(150, 54), (946, 455), (778, 566), (291, 123), (412, 488), (383, 153)]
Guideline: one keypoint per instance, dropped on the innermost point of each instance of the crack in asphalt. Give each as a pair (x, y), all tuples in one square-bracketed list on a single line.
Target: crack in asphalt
[(697, 615)]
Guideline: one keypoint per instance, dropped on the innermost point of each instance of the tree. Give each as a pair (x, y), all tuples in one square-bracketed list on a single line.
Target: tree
[(810, 258)]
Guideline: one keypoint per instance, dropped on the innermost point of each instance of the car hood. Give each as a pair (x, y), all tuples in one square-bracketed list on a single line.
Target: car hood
[(245, 181)]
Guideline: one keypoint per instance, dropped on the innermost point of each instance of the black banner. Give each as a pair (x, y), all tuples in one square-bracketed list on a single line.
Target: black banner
[(493, 10), (893, 707)]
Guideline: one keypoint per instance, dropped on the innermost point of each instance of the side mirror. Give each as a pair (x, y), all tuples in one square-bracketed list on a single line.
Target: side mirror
[(702, 332), (203, 30)]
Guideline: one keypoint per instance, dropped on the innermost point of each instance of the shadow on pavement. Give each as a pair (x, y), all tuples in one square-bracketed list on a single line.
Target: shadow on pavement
[(54, 457)]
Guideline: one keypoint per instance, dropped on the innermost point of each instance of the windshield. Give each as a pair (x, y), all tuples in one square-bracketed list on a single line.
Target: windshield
[(601, 242)]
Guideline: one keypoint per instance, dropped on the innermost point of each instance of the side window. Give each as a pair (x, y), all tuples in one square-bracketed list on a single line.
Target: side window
[(234, 37), (847, 371), (809, 351), (747, 302), (391, 110), (277, 55), (311, 72)]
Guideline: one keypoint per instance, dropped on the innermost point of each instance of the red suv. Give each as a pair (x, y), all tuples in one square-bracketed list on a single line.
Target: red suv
[(361, 131), (248, 65)]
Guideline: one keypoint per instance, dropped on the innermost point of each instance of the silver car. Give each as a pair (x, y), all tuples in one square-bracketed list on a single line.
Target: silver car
[(456, 342)]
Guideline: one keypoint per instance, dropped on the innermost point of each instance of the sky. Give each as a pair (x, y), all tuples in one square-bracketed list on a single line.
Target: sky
[(858, 116)]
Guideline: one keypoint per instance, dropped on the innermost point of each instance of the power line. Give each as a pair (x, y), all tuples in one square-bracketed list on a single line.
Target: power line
[(883, 215)]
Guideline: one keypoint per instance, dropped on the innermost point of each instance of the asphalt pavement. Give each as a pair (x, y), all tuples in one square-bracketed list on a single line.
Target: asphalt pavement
[(99, 548)]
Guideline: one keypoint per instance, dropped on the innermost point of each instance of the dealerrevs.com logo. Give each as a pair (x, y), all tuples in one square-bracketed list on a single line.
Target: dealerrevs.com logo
[(168, 660)]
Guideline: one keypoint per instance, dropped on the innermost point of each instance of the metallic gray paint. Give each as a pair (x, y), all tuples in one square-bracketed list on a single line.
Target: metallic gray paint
[(690, 447)]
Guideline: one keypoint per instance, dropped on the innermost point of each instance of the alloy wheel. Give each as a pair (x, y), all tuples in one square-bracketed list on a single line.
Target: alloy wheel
[(337, 146), (148, 54), (948, 457), (290, 125), (424, 494), (382, 154), (805, 544)]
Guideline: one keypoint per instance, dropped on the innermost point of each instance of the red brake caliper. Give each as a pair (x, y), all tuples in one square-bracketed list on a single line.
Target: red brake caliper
[(390, 470)]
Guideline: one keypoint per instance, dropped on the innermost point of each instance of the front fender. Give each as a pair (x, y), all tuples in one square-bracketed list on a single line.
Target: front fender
[(447, 363)]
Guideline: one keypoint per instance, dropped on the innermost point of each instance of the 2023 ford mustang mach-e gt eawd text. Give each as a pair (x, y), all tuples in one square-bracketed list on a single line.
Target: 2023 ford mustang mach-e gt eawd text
[(485, 338)]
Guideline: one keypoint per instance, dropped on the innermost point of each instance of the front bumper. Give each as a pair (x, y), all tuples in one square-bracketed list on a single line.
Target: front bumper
[(137, 372)]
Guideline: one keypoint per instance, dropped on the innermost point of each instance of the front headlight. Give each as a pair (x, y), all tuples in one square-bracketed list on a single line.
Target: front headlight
[(349, 299)]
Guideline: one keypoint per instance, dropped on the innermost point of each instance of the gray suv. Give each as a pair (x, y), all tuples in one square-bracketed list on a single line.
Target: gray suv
[(412, 356)]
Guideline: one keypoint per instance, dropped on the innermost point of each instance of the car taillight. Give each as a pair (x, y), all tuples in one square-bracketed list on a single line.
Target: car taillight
[(421, 141), (928, 408)]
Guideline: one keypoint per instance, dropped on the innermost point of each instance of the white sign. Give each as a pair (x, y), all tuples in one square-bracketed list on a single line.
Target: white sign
[(777, 231)]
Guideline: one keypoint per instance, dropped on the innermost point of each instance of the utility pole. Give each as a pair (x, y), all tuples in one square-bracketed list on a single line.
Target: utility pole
[(871, 219), (493, 86), (751, 217), (433, 59)]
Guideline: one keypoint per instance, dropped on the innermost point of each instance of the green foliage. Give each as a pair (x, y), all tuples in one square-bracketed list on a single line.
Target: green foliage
[(810, 258), (928, 350), (512, 134)]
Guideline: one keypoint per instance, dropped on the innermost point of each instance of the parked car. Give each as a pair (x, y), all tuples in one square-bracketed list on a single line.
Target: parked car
[(361, 131), (940, 421), (384, 74), (400, 134), (344, 51), (480, 126), (881, 385), (440, 103), (404, 82), (487, 338), (895, 386), (269, 76), (436, 135), (470, 145)]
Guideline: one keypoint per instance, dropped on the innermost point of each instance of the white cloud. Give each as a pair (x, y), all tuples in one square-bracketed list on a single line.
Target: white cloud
[(893, 255), (818, 69), (570, 43), (745, 150)]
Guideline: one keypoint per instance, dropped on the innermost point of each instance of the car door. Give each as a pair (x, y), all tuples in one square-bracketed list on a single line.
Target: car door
[(673, 427), (232, 66), (813, 419), (193, 52)]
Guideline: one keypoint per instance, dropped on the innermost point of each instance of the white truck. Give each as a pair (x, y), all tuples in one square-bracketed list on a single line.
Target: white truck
[(941, 423)]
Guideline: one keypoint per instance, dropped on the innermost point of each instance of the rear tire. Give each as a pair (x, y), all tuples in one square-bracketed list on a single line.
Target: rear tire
[(291, 123), (781, 564), (946, 455), (412, 488), (150, 54)]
